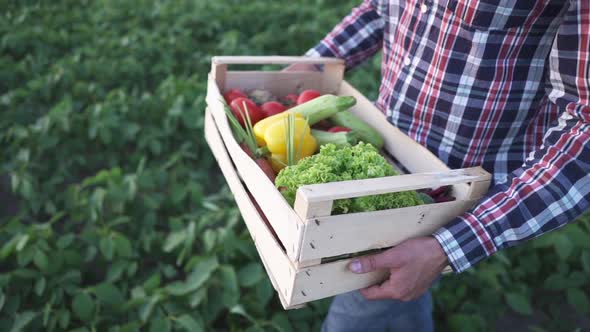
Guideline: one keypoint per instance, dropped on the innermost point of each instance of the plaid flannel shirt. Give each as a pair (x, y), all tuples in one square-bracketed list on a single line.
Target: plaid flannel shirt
[(504, 84)]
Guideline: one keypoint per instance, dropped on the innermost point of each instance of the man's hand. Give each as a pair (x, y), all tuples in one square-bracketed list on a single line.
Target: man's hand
[(414, 264)]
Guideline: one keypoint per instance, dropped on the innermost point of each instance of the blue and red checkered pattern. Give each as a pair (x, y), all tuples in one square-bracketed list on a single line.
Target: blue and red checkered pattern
[(504, 84)]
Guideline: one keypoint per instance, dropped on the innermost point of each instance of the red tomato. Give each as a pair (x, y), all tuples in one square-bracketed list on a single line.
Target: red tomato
[(290, 99), (272, 107), (232, 94), (254, 112), (338, 129), (307, 95)]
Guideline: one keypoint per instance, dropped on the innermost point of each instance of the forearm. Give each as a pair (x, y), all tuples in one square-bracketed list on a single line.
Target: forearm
[(550, 190), (552, 187)]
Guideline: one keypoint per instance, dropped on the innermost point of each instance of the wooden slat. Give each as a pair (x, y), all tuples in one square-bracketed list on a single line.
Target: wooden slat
[(326, 280), (272, 60), (350, 233), (280, 269), (282, 217), (357, 188), (318, 282), (332, 77), (277, 82)]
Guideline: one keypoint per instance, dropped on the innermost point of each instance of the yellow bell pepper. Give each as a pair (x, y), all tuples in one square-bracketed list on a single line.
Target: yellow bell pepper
[(273, 135), (261, 126)]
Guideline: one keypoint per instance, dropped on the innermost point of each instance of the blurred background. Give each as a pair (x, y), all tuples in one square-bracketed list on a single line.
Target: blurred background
[(114, 216)]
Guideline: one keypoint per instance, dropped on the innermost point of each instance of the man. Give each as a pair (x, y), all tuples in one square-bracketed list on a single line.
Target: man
[(504, 84)]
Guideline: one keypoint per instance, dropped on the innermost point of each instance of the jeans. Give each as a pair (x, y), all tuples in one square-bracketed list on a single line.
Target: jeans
[(352, 312)]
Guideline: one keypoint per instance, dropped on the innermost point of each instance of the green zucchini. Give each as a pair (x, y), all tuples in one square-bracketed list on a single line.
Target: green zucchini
[(365, 132), (339, 139), (323, 107)]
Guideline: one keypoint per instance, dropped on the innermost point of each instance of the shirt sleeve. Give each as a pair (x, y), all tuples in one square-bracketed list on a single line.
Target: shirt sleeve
[(552, 187), (356, 38)]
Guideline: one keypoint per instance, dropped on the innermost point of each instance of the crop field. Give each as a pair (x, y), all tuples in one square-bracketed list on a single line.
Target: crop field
[(114, 215)]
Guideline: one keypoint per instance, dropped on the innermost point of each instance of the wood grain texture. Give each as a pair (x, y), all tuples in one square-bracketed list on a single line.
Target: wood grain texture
[(350, 233), (358, 188), (272, 60), (277, 82), (321, 281), (280, 269), (282, 217)]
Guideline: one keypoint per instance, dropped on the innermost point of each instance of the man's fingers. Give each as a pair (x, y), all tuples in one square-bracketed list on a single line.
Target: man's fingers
[(377, 292), (383, 260)]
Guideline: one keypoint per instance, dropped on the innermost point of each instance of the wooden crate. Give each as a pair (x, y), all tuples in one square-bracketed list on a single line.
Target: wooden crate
[(308, 233)]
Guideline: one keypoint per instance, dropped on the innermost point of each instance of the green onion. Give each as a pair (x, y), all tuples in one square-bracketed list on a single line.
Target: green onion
[(245, 135)]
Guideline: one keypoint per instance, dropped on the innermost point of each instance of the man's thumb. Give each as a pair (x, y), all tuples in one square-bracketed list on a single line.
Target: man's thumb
[(370, 263)]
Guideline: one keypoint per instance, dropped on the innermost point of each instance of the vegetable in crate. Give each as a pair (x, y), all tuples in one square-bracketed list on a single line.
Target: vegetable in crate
[(244, 134), (337, 129), (365, 132), (261, 96), (339, 139), (232, 94), (241, 106), (314, 111), (271, 108), (307, 95), (289, 140), (361, 161), (290, 100), (323, 107)]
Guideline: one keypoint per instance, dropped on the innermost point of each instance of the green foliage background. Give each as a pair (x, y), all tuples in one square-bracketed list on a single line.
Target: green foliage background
[(113, 215)]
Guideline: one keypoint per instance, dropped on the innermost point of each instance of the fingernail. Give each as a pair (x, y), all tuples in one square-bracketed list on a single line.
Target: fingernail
[(356, 267)]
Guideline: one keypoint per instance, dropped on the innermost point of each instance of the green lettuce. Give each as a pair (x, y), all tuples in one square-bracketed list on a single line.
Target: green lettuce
[(331, 164)]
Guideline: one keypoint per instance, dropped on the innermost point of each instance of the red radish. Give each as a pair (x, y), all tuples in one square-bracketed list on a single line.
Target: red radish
[(443, 199), (438, 192), (290, 99), (261, 162), (237, 107), (247, 150), (232, 94), (338, 129), (266, 168), (323, 125), (307, 95), (272, 107)]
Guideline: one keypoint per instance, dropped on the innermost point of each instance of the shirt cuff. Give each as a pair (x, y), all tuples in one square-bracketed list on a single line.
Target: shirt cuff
[(465, 242)]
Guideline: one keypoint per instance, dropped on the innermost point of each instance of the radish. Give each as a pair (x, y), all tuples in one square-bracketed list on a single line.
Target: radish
[(232, 94), (337, 129), (261, 162), (307, 95), (242, 105), (272, 107), (290, 99)]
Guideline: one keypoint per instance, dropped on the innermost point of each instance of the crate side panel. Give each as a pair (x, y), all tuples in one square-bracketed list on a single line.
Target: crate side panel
[(349, 233), (277, 82), (277, 264), (325, 280), (282, 217)]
